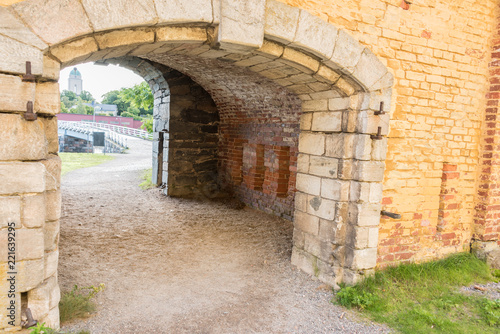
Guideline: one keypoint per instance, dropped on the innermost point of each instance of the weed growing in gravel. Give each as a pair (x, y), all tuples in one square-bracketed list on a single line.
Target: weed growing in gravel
[(42, 329), (78, 303), (425, 298), (146, 176), (350, 297)]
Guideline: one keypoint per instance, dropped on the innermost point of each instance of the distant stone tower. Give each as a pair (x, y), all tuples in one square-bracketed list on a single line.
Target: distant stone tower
[(75, 81)]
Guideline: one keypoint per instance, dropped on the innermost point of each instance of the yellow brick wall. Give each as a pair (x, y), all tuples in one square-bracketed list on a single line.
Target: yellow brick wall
[(438, 51)]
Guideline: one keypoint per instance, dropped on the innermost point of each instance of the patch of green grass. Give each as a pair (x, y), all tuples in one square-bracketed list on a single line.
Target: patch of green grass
[(146, 176), (78, 303), (490, 311), (425, 298), (496, 273), (72, 161), (351, 297), (40, 328)]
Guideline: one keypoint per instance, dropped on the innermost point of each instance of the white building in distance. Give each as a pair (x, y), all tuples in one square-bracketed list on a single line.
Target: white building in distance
[(75, 82)]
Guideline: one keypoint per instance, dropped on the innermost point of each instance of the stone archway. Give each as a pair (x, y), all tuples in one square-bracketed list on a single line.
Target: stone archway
[(161, 106), (341, 148)]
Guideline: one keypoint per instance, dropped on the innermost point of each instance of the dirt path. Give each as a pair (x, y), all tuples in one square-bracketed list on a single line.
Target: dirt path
[(183, 266)]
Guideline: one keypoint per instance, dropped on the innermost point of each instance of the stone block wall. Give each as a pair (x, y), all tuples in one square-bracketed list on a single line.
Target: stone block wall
[(30, 169), (192, 140), (30, 201)]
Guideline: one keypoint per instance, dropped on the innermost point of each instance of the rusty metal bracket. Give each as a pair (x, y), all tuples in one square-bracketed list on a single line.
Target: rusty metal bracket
[(378, 136), (28, 77), (405, 4), (381, 111), (390, 214), (29, 115), (30, 322)]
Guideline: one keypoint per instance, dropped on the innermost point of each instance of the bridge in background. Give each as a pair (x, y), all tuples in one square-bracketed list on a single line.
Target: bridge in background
[(84, 130), (115, 136)]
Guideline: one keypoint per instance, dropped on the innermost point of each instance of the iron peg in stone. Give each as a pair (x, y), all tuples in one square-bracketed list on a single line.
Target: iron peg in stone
[(29, 115), (390, 214), (30, 322), (381, 111), (378, 136), (28, 77), (405, 4)]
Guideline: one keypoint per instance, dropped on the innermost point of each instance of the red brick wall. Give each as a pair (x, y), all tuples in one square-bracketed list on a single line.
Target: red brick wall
[(258, 153), (487, 226), (449, 205)]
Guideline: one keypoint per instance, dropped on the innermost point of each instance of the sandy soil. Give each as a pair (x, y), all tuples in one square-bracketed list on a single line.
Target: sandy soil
[(184, 266)]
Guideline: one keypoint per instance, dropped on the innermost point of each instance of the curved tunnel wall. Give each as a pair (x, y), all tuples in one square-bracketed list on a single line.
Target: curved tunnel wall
[(258, 131)]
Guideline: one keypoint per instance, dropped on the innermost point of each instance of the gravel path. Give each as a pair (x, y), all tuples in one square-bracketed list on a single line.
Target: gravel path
[(489, 290), (184, 266)]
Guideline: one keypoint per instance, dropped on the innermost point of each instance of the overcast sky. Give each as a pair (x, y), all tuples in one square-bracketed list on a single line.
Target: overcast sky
[(99, 80)]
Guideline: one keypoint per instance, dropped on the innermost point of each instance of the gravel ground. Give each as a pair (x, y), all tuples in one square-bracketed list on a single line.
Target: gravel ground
[(489, 290), (184, 266)]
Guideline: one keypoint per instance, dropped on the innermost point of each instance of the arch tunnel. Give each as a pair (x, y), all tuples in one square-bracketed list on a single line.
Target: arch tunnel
[(261, 100)]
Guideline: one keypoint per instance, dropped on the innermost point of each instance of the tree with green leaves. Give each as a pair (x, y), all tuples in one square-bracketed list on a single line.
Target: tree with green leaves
[(132, 112), (86, 97), (112, 97), (139, 96), (74, 104), (147, 124), (82, 109), (69, 98), (64, 109)]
